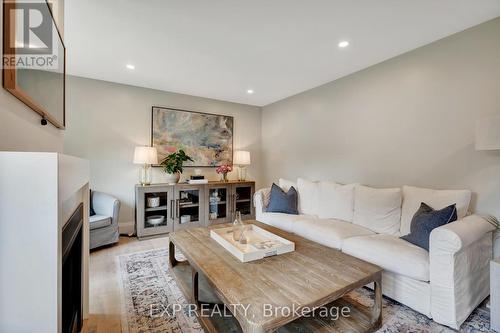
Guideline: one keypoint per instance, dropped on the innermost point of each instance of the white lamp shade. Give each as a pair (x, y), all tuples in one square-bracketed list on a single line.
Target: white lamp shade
[(488, 134), (241, 157), (145, 155)]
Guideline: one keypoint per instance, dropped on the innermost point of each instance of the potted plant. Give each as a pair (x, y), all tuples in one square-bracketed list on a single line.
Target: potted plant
[(496, 235), (172, 165)]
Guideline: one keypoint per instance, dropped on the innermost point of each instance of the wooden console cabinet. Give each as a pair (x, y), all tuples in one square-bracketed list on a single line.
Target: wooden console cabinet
[(188, 205)]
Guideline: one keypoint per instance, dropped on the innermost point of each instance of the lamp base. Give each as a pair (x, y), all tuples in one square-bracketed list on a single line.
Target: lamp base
[(242, 172), (145, 175)]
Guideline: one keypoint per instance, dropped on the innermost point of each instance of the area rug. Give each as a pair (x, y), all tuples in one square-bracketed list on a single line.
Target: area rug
[(148, 289)]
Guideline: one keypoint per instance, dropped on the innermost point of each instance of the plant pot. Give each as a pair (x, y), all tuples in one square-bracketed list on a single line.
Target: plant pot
[(173, 178)]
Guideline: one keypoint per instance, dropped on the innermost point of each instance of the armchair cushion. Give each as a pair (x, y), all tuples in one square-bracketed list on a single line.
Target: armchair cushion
[(99, 221)]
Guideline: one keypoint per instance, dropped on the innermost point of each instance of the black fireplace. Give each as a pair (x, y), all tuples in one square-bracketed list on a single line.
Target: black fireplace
[(72, 313)]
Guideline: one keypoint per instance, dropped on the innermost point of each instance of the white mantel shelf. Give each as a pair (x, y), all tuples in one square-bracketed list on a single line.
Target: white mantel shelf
[(38, 193)]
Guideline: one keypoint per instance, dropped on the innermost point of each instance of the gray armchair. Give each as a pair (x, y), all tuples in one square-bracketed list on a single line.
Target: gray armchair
[(104, 224)]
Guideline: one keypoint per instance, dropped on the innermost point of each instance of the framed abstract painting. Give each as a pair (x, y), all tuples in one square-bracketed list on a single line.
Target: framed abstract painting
[(207, 138)]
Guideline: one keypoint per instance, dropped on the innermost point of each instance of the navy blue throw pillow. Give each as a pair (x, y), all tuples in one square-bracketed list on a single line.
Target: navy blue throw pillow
[(283, 202), (427, 219)]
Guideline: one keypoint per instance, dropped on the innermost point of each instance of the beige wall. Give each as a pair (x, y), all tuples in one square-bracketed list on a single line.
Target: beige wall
[(409, 120), (107, 120), (20, 128)]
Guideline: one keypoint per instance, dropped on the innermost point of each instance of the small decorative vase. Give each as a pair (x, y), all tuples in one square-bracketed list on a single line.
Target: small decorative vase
[(237, 227), (243, 236), (224, 177)]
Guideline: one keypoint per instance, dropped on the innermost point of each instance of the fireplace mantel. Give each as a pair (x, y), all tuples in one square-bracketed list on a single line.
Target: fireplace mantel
[(38, 194)]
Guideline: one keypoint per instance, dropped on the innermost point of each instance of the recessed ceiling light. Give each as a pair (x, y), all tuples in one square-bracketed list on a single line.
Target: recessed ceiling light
[(343, 44), (130, 66), (250, 91)]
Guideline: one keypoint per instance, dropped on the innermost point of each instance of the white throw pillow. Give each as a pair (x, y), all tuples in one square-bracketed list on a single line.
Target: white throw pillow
[(378, 209), (285, 184), (437, 199), (308, 196), (336, 201)]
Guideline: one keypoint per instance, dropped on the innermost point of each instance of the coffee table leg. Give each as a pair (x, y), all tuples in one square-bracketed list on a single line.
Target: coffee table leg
[(377, 306), (195, 289), (171, 254)]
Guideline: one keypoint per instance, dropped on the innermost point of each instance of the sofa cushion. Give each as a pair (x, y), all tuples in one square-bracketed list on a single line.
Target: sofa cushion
[(438, 199), (283, 202), (427, 219), (328, 232), (391, 253), (378, 209), (280, 220), (308, 196), (336, 201), (285, 184), (99, 221)]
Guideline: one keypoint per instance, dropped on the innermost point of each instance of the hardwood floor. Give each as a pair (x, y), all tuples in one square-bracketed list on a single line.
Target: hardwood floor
[(105, 294)]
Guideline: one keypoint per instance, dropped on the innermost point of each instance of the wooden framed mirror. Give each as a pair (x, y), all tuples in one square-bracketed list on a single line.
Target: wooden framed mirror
[(34, 58)]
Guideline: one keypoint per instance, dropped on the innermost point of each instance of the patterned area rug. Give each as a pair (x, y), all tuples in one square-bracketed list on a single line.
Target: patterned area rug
[(149, 291)]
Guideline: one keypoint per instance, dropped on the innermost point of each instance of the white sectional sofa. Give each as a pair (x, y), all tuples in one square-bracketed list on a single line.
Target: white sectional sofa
[(445, 283)]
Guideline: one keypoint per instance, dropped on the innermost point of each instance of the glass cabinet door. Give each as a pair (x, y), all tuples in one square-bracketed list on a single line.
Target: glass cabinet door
[(154, 210), (242, 200), (188, 207), (219, 209)]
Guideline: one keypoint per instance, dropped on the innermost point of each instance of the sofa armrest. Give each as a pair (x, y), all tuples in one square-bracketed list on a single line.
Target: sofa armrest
[(455, 236), (261, 200), (459, 256), (107, 205)]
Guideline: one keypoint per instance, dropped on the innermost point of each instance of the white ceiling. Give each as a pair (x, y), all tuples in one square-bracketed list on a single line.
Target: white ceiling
[(221, 48)]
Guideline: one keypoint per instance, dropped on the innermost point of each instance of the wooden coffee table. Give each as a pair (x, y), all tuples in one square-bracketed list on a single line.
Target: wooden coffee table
[(289, 286)]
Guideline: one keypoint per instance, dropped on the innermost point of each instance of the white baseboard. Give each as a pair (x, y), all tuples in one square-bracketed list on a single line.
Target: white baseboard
[(126, 228)]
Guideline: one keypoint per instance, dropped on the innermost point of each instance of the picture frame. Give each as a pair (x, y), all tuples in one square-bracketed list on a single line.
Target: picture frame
[(206, 137), (31, 89)]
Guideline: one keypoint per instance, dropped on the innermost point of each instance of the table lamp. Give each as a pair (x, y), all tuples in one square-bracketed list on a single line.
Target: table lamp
[(145, 156), (241, 160)]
